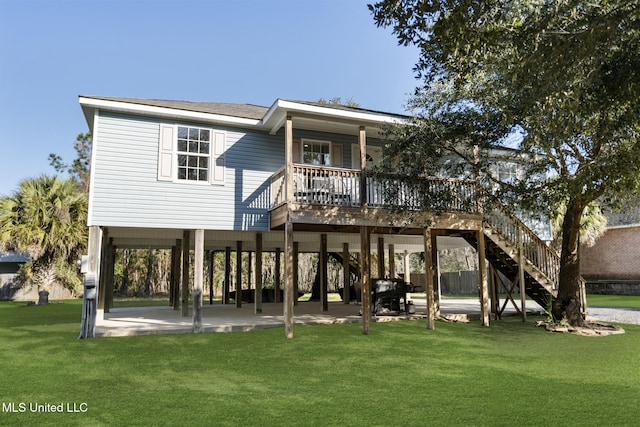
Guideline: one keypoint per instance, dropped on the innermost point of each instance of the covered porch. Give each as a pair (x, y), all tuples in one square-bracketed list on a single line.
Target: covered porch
[(219, 318), (189, 312)]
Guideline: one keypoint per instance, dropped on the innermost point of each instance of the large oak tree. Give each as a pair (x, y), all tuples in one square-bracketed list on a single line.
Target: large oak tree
[(563, 76)]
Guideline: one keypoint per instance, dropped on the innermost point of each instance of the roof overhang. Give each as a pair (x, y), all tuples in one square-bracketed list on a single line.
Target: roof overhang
[(90, 105), (323, 118), (623, 226), (219, 240), (309, 116)]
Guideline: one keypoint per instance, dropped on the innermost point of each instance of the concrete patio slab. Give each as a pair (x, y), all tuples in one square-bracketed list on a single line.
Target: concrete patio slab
[(126, 321)]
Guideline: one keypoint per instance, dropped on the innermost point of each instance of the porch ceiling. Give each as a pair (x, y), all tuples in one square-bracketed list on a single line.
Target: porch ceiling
[(142, 238), (332, 126), (327, 118)]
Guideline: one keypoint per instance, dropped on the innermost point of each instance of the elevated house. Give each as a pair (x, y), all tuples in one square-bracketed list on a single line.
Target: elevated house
[(291, 177)]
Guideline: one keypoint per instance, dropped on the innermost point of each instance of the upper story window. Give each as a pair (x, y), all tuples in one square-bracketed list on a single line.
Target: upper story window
[(316, 152), (193, 153), (507, 172)]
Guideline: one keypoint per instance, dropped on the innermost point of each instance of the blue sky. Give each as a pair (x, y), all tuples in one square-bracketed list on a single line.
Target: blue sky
[(246, 51)]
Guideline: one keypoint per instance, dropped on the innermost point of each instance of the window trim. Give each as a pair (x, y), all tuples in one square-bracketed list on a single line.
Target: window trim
[(316, 141), (208, 156), (168, 154), (510, 169)]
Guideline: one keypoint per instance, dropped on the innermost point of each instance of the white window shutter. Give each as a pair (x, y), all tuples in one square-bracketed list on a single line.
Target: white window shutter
[(218, 157), (297, 149), (165, 153), (336, 155)]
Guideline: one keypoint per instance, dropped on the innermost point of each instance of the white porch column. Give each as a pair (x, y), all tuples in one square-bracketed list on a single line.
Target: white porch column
[(90, 312), (288, 157), (407, 272), (406, 266), (362, 140), (198, 280), (95, 255)]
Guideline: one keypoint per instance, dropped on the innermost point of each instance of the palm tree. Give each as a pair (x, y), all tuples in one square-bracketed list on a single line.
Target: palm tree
[(592, 225), (46, 218)]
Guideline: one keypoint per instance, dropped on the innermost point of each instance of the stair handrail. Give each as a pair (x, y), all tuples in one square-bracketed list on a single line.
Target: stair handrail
[(535, 250)]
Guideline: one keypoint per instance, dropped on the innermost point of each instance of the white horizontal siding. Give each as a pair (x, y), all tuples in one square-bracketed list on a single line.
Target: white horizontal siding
[(126, 191)]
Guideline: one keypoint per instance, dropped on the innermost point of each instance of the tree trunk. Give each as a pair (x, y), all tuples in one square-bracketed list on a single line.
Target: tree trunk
[(567, 305)]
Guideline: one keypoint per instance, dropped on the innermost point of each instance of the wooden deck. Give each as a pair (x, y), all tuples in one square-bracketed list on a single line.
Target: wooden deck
[(337, 198)]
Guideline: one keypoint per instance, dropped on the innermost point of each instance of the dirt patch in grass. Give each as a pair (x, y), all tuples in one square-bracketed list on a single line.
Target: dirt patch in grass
[(589, 329)]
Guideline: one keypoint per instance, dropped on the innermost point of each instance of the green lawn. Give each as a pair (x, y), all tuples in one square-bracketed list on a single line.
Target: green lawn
[(624, 301), (164, 300), (509, 374), (592, 300)]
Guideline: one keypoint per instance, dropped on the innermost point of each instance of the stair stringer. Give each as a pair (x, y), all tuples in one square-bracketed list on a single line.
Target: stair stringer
[(511, 250)]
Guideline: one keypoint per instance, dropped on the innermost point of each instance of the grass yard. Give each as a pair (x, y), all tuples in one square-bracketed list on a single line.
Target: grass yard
[(164, 300), (509, 374), (592, 300), (624, 301)]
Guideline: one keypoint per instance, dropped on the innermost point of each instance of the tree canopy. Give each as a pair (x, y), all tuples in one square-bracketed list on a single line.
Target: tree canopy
[(46, 218), (557, 80), (339, 101), (80, 168)]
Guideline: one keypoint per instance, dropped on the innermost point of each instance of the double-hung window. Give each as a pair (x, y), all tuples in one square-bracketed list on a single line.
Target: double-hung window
[(316, 152), (193, 151), (507, 172), (191, 154)]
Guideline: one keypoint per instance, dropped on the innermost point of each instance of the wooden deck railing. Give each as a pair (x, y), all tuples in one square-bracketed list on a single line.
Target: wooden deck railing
[(278, 188), (428, 194), (342, 187), (534, 249), (326, 185)]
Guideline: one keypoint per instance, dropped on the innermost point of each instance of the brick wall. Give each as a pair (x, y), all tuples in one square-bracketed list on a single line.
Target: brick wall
[(615, 256)]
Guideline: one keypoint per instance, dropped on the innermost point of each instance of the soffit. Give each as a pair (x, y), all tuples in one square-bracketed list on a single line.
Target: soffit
[(142, 238)]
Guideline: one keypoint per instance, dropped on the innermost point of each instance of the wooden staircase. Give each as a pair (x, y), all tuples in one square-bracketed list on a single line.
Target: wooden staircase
[(517, 252)]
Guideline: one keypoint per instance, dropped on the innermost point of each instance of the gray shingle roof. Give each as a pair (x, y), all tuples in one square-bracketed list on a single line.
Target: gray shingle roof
[(629, 215), (246, 111), (346, 108), (12, 256)]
